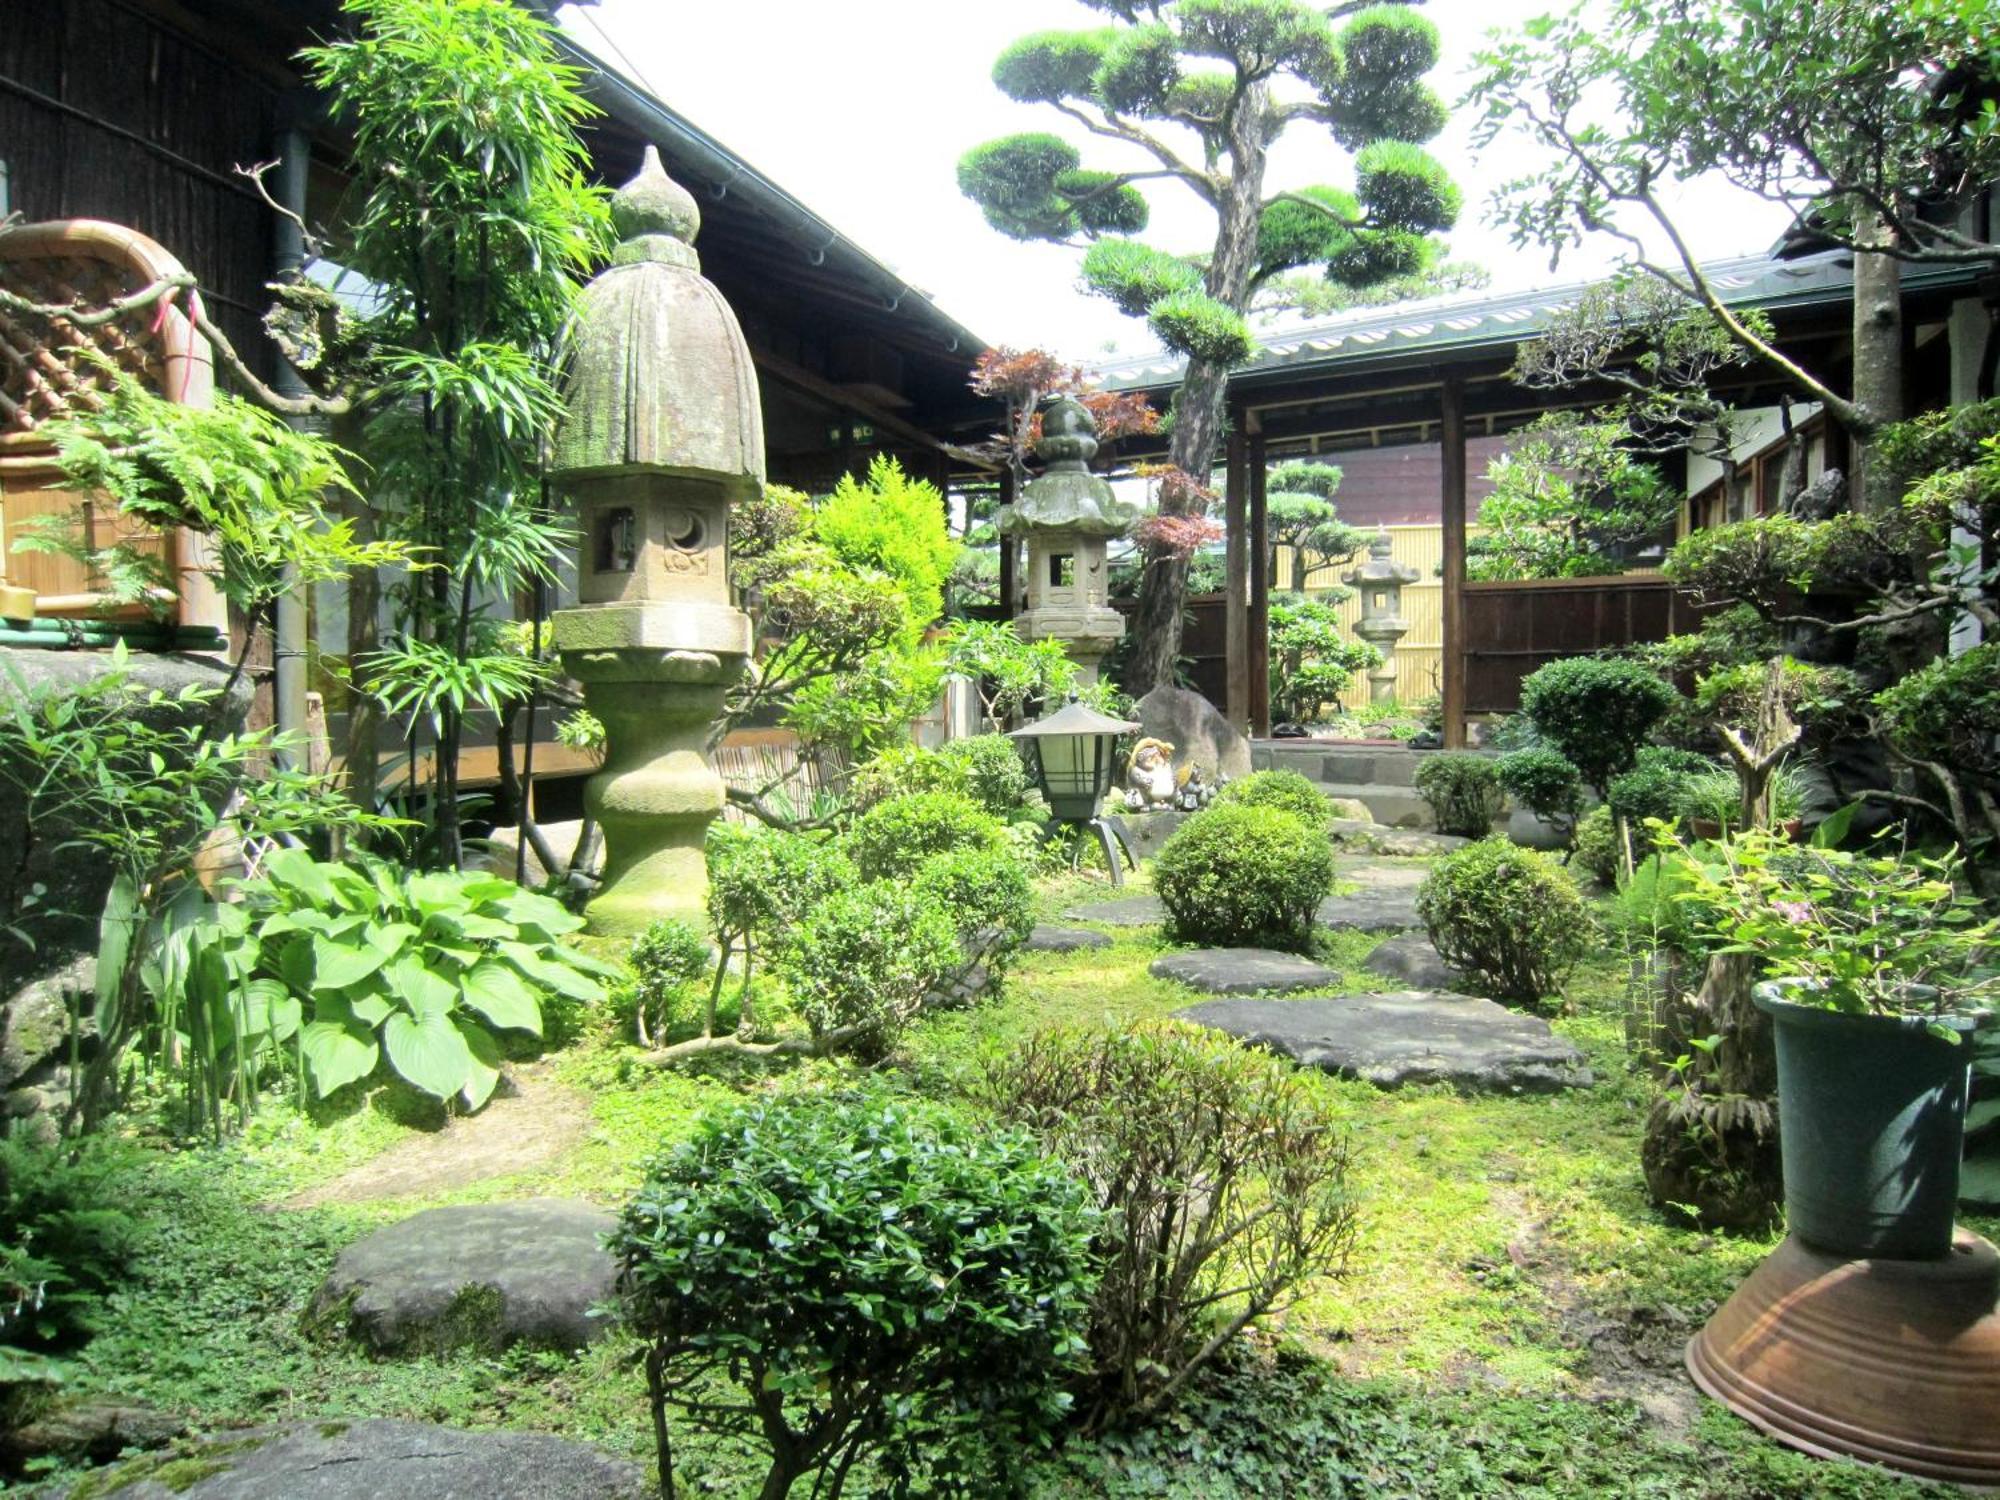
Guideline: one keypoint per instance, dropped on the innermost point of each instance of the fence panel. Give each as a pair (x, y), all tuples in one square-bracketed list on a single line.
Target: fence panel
[(1513, 628)]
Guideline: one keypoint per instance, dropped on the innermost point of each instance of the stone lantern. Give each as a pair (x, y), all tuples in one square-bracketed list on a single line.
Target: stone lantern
[(663, 433), (1380, 584), (1068, 515)]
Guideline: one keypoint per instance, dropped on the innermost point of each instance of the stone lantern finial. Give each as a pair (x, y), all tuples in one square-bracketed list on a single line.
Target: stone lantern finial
[(1068, 514), (1380, 583), (663, 430)]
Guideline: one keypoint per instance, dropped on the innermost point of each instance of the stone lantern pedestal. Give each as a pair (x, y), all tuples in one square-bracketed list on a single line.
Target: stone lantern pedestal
[(663, 432), (1380, 584), (1069, 516)]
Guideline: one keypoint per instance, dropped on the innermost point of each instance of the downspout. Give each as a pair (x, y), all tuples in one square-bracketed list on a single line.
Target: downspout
[(287, 183)]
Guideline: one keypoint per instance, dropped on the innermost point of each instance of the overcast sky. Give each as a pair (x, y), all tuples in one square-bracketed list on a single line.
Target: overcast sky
[(861, 109)]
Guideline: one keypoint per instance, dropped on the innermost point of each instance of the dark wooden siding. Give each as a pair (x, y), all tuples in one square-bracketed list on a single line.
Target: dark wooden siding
[(1513, 628)]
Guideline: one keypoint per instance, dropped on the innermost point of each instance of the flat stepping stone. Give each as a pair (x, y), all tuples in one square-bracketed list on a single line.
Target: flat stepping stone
[(485, 1275), (371, 1460), (1415, 964), (1128, 911), (1415, 1036), (1046, 939), (1378, 874), (1243, 971), (1380, 909), (1403, 843)]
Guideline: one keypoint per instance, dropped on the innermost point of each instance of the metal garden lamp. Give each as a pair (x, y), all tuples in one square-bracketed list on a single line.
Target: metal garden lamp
[(1071, 756)]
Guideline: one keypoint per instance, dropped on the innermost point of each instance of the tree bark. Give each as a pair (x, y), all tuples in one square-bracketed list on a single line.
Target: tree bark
[(1878, 365), (363, 750)]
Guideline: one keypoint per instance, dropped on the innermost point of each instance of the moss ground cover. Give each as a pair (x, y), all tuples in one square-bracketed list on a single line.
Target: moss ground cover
[(1510, 1325)]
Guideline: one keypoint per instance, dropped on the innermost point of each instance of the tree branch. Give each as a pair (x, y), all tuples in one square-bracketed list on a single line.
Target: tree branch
[(1116, 128)]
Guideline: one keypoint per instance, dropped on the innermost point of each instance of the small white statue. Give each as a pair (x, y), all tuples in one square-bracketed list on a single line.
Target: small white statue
[(1149, 775)]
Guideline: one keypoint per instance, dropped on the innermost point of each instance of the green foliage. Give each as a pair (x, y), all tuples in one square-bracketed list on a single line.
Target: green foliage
[(1221, 1181), (1236, 875), (763, 881), (1201, 327), (1391, 44), (1657, 786), (1050, 66), (1311, 662), (1544, 781), (1948, 710), (1463, 792), (1403, 184), (349, 964), (66, 1239), (1010, 675), (1596, 845), (1139, 70), (1293, 233), (1570, 500), (1596, 711), (995, 775), (665, 959), (1510, 918), (1013, 180), (1861, 933), (890, 840), (891, 524), (1716, 796), (987, 895), (1135, 276), (874, 1276), (861, 963), (1287, 791), (1761, 560)]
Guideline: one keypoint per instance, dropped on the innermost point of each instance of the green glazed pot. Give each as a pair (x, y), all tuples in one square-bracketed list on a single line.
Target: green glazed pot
[(1871, 1126)]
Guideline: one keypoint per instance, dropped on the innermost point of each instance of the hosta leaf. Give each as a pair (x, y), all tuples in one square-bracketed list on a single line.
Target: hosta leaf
[(370, 1003), (438, 893), (473, 927), (552, 973), (497, 993), (257, 1008), (526, 909), (422, 991), (338, 964), (391, 937), (429, 1053), (485, 1061), (337, 1055)]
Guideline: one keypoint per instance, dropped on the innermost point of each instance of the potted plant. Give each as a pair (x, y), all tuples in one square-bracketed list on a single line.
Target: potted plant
[(1872, 969)]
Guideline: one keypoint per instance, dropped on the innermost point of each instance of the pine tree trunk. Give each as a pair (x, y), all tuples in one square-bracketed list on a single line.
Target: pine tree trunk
[(1878, 365)]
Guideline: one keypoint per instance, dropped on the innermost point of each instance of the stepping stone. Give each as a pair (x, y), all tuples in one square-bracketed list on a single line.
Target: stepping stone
[(1046, 939), (1243, 971), (372, 1459), (1379, 874), (486, 1275), (1415, 1036), (1380, 838), (1128, 911), (1381, 909), (1413, 961)]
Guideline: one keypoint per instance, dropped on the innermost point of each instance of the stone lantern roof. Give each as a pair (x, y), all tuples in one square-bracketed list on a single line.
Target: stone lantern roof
[(659, 377), (1067, 496), (1379, 569)]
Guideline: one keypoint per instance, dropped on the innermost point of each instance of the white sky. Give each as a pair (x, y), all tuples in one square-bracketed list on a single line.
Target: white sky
[(860, 110)]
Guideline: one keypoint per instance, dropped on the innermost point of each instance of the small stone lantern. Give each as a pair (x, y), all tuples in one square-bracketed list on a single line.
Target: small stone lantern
[(663, 432), (1068, 514), (1380, 584)]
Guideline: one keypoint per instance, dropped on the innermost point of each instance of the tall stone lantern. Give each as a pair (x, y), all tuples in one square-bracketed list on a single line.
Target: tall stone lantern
[(663, 433), (1380, 583), (1068, 516)]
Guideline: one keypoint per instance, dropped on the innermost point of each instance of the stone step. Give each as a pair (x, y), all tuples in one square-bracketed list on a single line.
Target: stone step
[(1397, 806)]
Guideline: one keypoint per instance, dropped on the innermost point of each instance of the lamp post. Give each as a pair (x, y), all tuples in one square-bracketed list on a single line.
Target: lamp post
[(1071, 756), (1380, 584)]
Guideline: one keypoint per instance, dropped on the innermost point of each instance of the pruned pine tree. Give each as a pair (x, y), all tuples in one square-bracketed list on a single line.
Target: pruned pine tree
[(1304, 522), (1197, 92)]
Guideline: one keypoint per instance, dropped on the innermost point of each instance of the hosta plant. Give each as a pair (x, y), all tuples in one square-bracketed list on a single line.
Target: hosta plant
[(349, 964)]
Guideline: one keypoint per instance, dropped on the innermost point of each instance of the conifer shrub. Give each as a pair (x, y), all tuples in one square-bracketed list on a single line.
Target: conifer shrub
[(1511, 918), (1244, 875), (1463, 792)]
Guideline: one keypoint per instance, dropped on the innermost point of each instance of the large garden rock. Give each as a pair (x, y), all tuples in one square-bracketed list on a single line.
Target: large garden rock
[(1196, 730), (1146, 833), (34, 1046), (376, 1459), (1046, 939), (1369, 837), (1243, 971), (485, 1275), (1415, 963), (1415, 1036)]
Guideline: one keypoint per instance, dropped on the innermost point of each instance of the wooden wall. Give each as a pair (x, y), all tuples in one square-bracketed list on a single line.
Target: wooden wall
[(1513, 628)]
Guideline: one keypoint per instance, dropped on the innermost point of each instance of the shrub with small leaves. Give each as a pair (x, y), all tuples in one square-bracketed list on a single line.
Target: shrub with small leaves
[(1463, 792), (861, 963), (1508, 917), (987, 895), (903, 771), (995, 775), (1596, 710), (876, 1276), (1287, 791), (1544, 781), (1657, 786), (889, 841), (1596, 845), (1236, 874), (667, 958)]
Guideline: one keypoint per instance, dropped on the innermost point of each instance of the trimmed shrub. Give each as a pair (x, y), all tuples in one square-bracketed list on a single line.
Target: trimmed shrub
[(1595, 845), (987, 895), (994, 774), (903, 771), (1544, 781), (1657, 786), (1221, 1175), (1463, 791), (1596, 710), (860, 964), (890, 841), (668, 957), (1243, 875), (1948, 710), (1509, 917), (1287, 791), (874, 1276), (763, 881)]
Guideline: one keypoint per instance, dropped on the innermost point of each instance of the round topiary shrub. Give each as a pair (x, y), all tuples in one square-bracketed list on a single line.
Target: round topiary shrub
[(860, 964), (1596, 710), (994, 774), (1657, 786), (1509, 917), (1286, 790), (1463, 792), (1596, 845), (987, 895), (890, 841), (1237, 875), (1544, 781), (861, 1276)]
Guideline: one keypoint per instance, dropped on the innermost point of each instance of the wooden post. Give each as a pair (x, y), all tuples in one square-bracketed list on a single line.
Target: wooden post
[(1259, 660), (1451, 437), (1236, 619), (1008, 544)]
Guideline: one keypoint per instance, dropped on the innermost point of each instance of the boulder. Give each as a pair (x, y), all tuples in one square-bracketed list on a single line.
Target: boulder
[(1415, 963), (1145, 832), (1350, 809), (1197, 731), (1414, 1036), (484, 1275), (372, 1460), (1243, 971), (34, 1021), (94, 1431), (1046, 939)]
